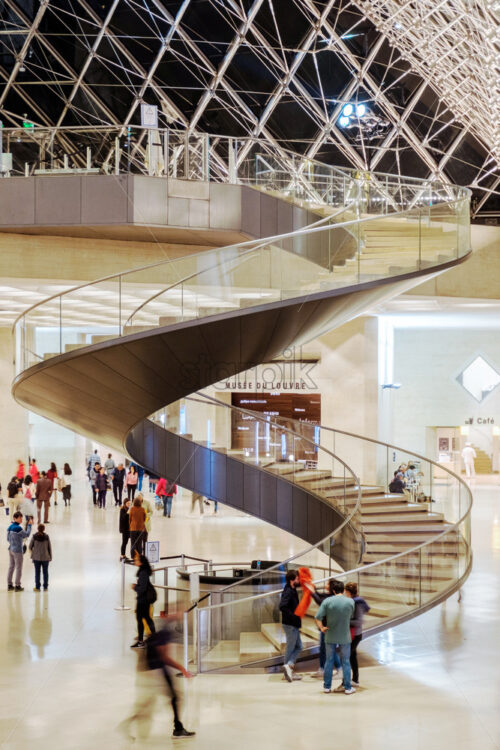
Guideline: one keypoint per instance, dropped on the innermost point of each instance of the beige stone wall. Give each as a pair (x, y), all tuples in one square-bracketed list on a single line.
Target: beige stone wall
[(478, 277)]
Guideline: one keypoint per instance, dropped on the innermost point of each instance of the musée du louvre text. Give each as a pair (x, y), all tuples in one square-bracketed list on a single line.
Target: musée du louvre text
[(266, 386)]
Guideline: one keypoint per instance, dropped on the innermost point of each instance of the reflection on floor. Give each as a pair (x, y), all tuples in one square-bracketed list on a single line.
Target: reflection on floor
[(69, 678)]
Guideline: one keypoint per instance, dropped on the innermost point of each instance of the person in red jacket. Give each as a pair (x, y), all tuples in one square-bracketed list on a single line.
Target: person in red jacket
[(21, 470), (52, 475), (166, 491), (34, 473)]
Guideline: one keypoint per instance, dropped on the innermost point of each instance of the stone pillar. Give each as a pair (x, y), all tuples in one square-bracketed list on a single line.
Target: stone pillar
[(13, 418)]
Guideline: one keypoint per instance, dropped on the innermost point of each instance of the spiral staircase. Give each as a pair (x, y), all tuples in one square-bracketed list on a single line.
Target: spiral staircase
[(161, 334)]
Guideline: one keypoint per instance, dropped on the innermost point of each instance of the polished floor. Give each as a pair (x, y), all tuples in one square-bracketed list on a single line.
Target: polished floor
[(69, 679)]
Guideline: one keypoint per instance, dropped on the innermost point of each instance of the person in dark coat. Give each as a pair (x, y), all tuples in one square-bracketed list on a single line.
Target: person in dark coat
[(118, 479), (141, 588), (124, 527), (41, 554), (291, 624), (397, 486), (101, 485)]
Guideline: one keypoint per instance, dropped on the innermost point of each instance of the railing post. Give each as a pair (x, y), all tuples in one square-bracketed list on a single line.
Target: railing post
[(198, 639), (117, 156), (420, 577), (206, 157), (60, 325), (165, 153), (419, 240), (119, 305), (231, 167), (186, 639), (122, 606), (165, 595), (186, 156)]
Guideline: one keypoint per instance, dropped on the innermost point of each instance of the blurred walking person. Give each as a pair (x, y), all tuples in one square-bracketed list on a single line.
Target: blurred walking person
[(101, 485), (33, 471)]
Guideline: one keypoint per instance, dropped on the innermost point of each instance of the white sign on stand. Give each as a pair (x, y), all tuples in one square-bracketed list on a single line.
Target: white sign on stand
[(153, 551), (149, 115)]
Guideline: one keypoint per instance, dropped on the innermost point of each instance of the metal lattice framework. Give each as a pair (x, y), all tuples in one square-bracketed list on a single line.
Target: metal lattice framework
[(425, 71)]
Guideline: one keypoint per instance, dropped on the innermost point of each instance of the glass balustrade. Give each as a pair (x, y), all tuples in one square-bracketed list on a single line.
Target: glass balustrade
[(332, 255)]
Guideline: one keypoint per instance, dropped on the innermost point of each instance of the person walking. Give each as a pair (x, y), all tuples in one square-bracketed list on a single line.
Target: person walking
[(124, 527), (146, 595), (94, 459), (52, 475), (41, 554), (26, 506), (361, 608), (21, 470), (197, 498), (140, 476), (33, 471), (468, 456), (13, 496), (118, 478), (338, 611), (42, 493), (109, 465), (137, 516), (93, 473), (166, 491), (101, 485), (66, 484), (291, 624), (131, 482), (15, 537)]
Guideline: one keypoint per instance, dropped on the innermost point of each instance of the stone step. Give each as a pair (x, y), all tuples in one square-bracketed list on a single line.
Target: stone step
[(256, 644), (382, 498), (274, 633), (415, 535), (395, 518), (384, 509)]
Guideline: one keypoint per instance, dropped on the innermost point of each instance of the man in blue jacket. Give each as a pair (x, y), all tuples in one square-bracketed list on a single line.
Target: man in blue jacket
[(15, 538), (291, 624)]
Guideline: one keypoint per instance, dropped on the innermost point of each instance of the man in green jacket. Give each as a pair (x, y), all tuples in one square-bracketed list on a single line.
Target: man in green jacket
[(338, 611)]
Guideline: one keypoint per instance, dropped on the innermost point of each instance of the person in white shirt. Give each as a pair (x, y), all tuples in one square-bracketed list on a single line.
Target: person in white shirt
[(468, 455)]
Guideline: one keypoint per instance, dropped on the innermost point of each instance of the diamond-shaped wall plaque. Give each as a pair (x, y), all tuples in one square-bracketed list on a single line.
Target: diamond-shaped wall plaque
[(479, 379)]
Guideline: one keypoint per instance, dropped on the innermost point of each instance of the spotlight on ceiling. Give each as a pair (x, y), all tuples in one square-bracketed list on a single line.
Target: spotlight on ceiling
[(351, 113)]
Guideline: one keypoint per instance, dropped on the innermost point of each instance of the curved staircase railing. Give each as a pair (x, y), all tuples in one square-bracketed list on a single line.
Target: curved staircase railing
[(218, 313)]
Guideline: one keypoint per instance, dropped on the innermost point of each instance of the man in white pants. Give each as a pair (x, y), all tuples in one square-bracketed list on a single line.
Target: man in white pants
[(468, 455)]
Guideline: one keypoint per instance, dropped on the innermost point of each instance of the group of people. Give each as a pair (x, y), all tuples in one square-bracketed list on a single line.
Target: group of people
[(37, 488), (340, 622), (404, 479), (108, 475), (24, 491)]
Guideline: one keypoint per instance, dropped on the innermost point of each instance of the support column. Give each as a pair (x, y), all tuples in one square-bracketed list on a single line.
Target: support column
[(13, 418)]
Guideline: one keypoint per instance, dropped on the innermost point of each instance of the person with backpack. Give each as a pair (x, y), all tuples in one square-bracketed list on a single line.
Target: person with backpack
[(15, 537), (166, 491), (146, 596), (41, 554)]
